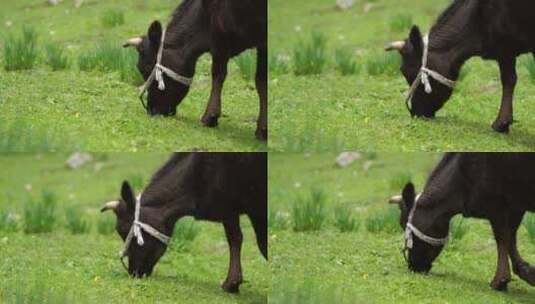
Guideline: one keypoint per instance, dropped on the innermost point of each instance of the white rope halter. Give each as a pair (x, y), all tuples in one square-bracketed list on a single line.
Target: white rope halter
[(410, 230), (135, 231), (424, 74), (159, 70)]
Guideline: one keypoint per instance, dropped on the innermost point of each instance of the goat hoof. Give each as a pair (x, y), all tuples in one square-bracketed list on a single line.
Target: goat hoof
[(499, 284), (210, 120), (501, 126), (231, 286), (261, 134)]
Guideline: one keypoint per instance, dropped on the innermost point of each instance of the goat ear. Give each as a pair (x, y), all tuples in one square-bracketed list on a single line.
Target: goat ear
[(415, 38), (408, 196), (128, 196), (155, 32)]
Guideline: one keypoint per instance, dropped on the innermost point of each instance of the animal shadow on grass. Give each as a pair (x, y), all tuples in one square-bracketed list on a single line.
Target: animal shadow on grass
[(239, 132), (481, 286), (516, 136), (213, 288)]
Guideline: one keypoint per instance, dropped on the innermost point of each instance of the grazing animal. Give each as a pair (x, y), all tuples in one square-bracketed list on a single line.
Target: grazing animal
[(224, 28), (216, 187), (498, 187), (500, 30)]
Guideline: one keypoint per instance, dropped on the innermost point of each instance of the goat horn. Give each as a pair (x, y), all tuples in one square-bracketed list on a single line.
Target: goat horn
[(397, 199), (133, 42), (396, 45), (110, 206)]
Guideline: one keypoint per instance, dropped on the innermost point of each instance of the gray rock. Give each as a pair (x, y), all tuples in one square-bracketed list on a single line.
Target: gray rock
[(347, 158), (345, 4), (78, 159)]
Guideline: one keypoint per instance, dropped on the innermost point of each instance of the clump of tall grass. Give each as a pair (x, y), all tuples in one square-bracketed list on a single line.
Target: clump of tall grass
[(384, 63), (529, 63), (309, 213), (186, 230), (105, 225), (277, 220), (529, 224), (278, 63), (386, 220), (40, 216), (345, 63), (246, 62), (75, 222), (108, 57), (55, 57), (105, 57), (401, 22), (128, 71), (87, 61), (112, 18), (310, 56), (344, 220), (458, 229), (20, 52), (8, 222)]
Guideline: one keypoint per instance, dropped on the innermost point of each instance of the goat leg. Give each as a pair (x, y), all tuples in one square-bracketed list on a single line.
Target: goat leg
[(219, 74), (508, 78), (234, 238), (503, 272)]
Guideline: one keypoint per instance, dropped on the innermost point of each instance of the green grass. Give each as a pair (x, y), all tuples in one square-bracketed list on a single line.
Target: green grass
[(458, 229), (40, 214), (76, 223), (401, 22), (329, 266), (345, 63), (344, 220), (384, 221), (308, 213), (112, 18), (186, 230), (8, 223), (24, 136), (20, 52), (97, 108), (366, 111), (105, 225), (529, 63), (387, 63), (246, 62), (85, 267), (278, 63), (310, 55), (56, 57), (529, 224)]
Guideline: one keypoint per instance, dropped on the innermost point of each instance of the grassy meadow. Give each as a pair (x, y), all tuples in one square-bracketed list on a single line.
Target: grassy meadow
[(334, 238), (66, 84), (342, 91), (56, 247)]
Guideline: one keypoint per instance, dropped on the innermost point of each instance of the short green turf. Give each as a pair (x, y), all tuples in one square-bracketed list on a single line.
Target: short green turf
[(328, 266), (86, 267), (331, 112), (95, 111)]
